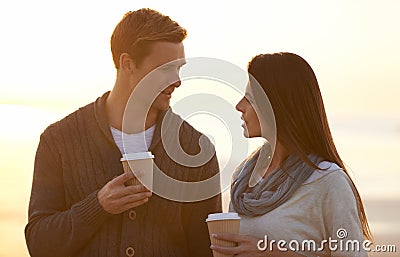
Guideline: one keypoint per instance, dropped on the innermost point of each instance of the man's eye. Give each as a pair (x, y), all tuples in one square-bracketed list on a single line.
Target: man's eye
[(165, 68)]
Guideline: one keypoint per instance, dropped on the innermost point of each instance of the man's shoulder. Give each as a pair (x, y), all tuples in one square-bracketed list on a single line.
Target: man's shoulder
[(185, 128), (70, 121), (198, 147), (189, 137)]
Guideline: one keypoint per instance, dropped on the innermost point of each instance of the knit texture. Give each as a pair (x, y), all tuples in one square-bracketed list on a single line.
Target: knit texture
[(75, 158)]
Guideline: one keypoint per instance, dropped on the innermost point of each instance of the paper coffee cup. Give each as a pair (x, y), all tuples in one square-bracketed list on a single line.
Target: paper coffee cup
[(139, 162), (222, 223)]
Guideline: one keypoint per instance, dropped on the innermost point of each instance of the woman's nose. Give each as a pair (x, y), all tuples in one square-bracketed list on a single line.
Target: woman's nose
[(239, 105)]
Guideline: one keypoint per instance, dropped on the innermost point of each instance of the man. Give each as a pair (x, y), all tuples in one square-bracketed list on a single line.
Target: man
[(80, 204)]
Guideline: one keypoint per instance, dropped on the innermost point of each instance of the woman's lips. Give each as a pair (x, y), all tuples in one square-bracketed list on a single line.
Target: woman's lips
[(244, 122)]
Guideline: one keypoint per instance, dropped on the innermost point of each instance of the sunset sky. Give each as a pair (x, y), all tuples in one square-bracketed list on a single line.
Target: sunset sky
[(57, 53), (55, 57)]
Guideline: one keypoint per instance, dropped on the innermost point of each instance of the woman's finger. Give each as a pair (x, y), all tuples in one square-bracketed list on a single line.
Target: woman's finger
[(228, 237), (225, 250)]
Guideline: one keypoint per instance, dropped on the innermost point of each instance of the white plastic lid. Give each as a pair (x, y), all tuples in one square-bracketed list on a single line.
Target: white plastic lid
[(223, 216), (136, 156)]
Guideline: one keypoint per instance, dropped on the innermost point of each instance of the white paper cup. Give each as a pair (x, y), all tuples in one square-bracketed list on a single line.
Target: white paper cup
[(223, 223), (139, 162)]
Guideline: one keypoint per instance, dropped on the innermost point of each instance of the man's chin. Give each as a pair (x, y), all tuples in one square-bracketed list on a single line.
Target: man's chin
[(163, 107), (160, 106)]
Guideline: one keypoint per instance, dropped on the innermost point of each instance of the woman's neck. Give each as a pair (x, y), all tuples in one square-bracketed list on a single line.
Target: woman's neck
[(280, 155)]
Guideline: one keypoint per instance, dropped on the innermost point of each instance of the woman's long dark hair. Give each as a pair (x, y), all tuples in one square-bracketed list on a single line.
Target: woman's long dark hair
[(301, 122)]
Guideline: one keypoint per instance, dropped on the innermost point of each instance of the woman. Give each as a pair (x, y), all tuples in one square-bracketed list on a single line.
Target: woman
[(305, 197)]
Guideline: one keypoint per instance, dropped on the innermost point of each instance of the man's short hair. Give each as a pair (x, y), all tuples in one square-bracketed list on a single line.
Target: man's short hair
[(138, 29)]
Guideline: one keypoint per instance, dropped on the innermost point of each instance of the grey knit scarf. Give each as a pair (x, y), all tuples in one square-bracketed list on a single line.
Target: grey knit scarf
[(275, 189)]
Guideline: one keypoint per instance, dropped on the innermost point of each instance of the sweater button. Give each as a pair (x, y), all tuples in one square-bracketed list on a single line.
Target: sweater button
[(130, 251), (132, 215)]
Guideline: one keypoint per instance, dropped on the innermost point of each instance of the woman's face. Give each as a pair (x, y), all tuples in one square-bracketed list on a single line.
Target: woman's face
[(251, 123)]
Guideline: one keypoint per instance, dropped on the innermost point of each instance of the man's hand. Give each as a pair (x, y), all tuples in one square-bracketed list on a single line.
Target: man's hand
[(116, 198)]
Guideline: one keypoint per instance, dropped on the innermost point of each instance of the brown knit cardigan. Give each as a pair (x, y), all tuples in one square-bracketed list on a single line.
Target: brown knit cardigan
[(75, 158)]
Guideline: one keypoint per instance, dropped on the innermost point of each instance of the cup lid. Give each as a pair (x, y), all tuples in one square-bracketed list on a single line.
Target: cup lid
[(137, 156), (223, 216)]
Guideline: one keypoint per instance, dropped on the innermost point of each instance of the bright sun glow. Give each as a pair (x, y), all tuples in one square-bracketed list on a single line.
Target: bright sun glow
[(55, 57), (60, 50)]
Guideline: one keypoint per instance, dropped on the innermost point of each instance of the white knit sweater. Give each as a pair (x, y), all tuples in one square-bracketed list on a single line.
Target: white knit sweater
[(323, 207)]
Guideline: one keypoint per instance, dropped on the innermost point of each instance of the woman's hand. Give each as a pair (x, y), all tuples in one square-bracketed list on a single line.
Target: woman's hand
[(246, 246)]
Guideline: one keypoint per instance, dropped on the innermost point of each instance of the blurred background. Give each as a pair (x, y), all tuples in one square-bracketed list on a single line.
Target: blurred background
[(55, 57)]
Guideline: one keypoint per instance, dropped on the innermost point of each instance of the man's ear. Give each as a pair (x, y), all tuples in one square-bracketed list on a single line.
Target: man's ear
[(126, 63)]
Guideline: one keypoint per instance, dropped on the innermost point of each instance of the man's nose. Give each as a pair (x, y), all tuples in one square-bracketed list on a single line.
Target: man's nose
[(176, 83), (174, 79)]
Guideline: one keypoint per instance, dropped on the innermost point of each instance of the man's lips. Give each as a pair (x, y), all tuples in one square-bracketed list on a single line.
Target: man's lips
[(167, 91)]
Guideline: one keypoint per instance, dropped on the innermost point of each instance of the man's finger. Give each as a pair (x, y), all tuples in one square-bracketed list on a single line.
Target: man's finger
[(134, 198), (123, 191), (136, 204), (134, 189), (121, 179)]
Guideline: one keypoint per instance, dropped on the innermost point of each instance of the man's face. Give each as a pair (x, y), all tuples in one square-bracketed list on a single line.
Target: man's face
[(163, 70)]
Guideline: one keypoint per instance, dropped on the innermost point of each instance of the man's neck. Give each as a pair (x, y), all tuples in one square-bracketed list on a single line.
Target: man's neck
[(115, 107)]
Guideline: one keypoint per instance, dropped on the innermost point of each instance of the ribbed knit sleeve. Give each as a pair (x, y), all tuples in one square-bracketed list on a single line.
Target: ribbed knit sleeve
[(195, 214), (55, 229), (341, 214), (75, 158)]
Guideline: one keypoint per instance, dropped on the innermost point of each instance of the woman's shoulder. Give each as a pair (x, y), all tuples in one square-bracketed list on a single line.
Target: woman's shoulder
[(328, 172), (333, 185)]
